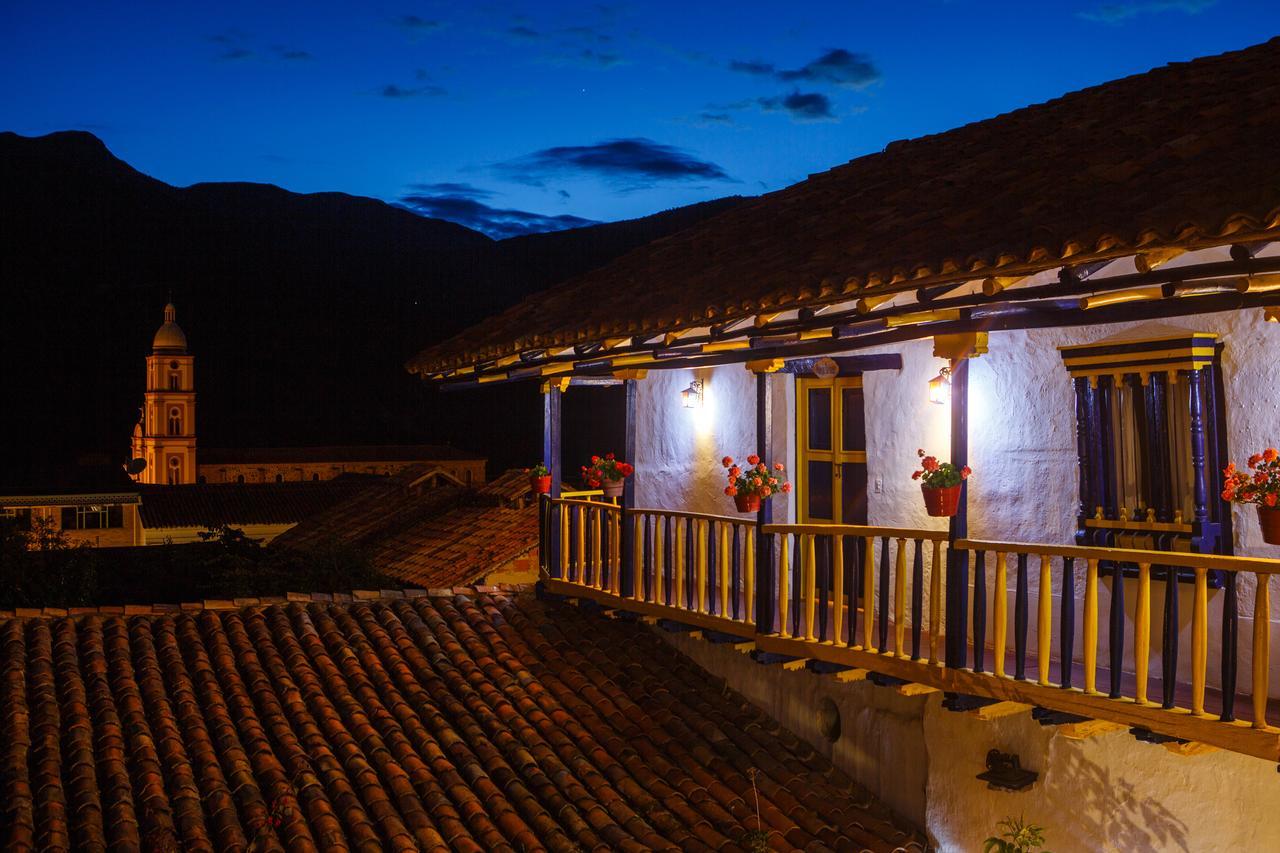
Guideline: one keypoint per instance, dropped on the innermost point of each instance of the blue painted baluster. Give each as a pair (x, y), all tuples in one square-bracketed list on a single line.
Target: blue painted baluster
[(884, 594), (735, 573), (713, 569), (979, 611), (1067, 622), (1020, 621), (1116, 635), (957, 607), (917, 599), (1230, 629), (1169, 648), (646, 553)]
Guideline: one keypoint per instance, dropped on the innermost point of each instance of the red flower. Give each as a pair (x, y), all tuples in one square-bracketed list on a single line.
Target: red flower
[(734, 471), (766, 491), (1270, 454), (753, 460), (730, 491), (608, 456), (626, 469), (1228, 494), (916, 475), (777, 466), (1254, 460), (786, 487), (727, 461), (1271, 499), (965, 472)]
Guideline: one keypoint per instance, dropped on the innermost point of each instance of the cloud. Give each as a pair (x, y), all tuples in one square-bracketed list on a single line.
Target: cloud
[(235, 54), (801, 106), (707, 118), (415, 24), (464, 207), (291, 55), (1116, 13), (520, 31), (836, 67), (395, 91), (452, 188), (629, 162)]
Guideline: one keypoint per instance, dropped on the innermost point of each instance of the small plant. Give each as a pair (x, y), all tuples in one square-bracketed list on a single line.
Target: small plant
[(1016, 836), (755, 840), (605, 469), (939, 475), (1262, 487), (756, 479), (538, 470)]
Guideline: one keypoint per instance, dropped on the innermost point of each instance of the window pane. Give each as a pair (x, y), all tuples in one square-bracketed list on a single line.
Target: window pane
[(820, 418), (853, 431), (853, 493), (819, 495)]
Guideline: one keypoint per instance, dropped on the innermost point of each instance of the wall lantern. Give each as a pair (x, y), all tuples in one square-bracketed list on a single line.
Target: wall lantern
[(1005, 773), (691, 397), (940, 387)]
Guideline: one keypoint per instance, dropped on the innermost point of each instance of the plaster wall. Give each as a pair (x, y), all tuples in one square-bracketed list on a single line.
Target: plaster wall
[(1108, 792)]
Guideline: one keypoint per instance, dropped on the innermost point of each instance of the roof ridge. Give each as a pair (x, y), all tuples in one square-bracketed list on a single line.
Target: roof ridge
[(245, 603)]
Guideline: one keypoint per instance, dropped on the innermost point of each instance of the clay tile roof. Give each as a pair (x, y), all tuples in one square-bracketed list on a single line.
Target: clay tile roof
[(1181, 156), (470, 722), (433, 537), (243, 503)]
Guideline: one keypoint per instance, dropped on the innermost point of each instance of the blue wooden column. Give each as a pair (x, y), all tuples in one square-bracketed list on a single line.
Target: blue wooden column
[(766, 581), (958, 561), (552, 400), (627, 568)]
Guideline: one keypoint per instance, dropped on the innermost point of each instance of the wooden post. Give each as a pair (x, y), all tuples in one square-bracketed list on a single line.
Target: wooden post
[(551, 403), (627, 570), (766, 582), (958, 564)]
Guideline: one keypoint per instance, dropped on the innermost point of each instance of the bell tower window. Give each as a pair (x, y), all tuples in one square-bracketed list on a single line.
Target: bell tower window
[(174, 382), (175, 421), (175, 471)]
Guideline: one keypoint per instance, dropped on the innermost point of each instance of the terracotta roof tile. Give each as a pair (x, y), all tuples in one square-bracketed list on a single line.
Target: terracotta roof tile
[(469, 722), (1179, 156)]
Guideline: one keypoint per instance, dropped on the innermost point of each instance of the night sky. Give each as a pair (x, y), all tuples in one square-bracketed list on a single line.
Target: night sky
[(519, 117)]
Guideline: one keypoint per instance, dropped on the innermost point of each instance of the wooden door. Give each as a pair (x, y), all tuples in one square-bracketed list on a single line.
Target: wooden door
[(831, 450)]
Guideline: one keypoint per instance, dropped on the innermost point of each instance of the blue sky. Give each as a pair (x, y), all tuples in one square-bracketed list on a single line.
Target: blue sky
[(540, 115)]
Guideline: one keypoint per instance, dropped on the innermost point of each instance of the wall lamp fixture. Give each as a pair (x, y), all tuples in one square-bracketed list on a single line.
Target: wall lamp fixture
[(691, 397)]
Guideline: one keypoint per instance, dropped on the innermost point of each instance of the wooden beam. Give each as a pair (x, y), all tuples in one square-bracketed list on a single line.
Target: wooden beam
[(848, 364), (1246, 251), (1150, 261)]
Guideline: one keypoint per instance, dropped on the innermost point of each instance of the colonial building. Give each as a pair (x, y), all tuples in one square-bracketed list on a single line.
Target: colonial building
[(1078, 300), (90, 503), (165, 435), (163, 450)]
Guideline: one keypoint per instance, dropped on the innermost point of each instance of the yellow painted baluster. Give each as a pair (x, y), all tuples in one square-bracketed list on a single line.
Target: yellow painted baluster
[(659, 557), (837, 581), (1091, 627), (637, 570), (809, 592), (1044, 623), (999, 612), (1261, 649), (935, 602), (679, 564), (1142, 633), (700, 529), (900, 600), (749, 575), (615, 579), (868, 591), (784, 585), (1199, 640), (726, 568), (582, 545)]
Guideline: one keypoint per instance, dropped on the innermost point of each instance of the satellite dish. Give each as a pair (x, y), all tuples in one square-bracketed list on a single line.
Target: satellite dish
[(136, 467)]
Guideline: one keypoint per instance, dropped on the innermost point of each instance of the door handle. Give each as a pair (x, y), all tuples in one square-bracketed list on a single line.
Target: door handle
[(837, 471)]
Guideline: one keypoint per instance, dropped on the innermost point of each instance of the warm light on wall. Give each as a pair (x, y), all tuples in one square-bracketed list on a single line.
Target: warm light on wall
[(691, 397), (940, 387)]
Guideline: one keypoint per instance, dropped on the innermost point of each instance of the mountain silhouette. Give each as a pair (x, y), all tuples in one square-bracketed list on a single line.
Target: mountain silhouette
[(300, 308)]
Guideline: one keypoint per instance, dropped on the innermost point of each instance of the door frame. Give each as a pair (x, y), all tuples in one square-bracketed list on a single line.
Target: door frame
[(804, 454)]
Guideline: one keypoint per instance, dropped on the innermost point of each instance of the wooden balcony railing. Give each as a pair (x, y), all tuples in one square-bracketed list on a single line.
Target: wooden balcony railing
[(992, 620)]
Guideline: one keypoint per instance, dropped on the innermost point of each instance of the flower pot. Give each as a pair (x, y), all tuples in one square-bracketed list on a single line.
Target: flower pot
[(944, 502), (747, 503), (1269, 521), (612, 488), (540, 485)]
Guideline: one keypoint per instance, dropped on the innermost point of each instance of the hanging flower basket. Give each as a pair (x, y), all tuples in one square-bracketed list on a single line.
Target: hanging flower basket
[(1261, 488), (747, 486), (940, 483), (612, 488)]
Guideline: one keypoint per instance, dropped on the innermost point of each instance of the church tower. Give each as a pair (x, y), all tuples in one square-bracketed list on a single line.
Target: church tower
[(165, 435)]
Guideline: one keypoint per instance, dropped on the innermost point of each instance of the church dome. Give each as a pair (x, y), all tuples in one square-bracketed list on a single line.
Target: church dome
[(169, 337)]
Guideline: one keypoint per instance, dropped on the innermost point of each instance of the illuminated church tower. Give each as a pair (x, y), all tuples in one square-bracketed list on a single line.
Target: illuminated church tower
[(165, 435)]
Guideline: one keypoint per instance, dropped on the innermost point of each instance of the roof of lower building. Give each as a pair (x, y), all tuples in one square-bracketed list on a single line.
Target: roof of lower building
[(467, 722), (41, 482), (233, 504), (435, 537), (333, 454), (1181, 156)]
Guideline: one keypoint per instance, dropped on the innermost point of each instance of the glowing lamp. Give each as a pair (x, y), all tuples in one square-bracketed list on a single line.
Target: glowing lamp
[(691, 397), (940, 387)]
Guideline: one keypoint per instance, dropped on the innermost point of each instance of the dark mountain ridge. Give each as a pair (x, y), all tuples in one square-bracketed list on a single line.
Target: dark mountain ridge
[(300, 309)]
